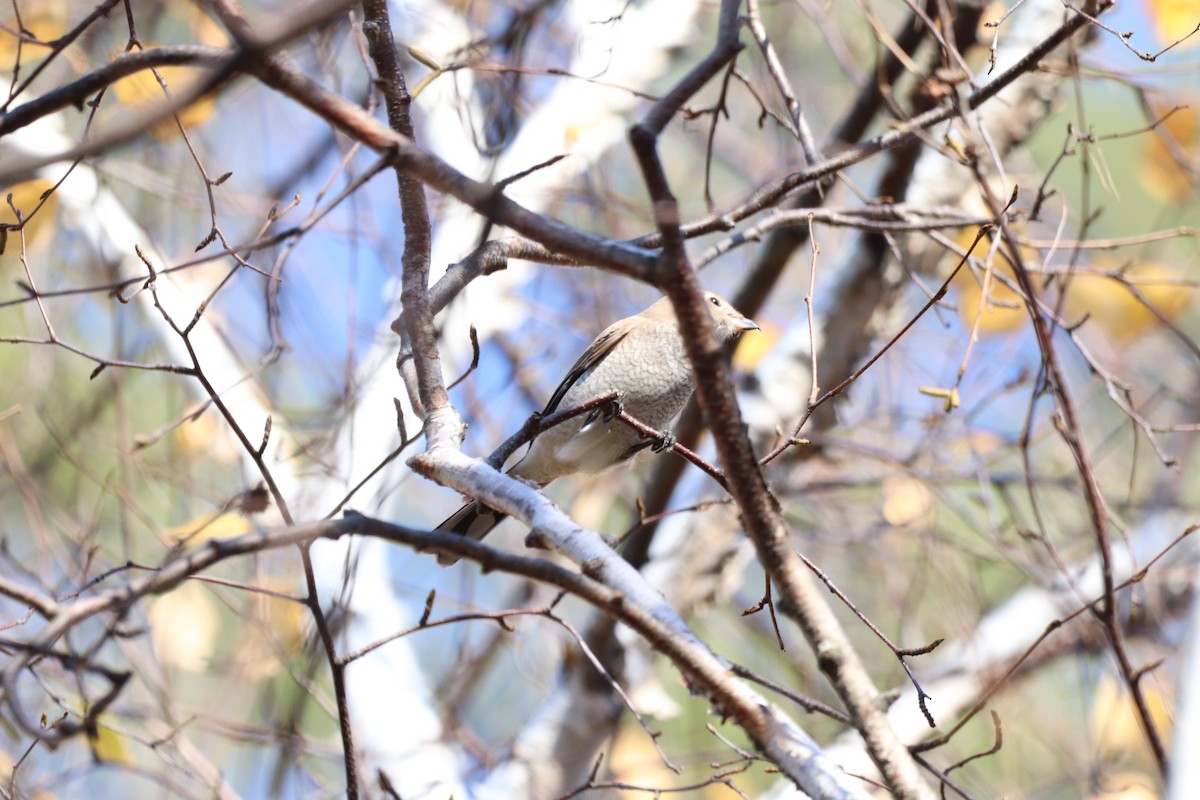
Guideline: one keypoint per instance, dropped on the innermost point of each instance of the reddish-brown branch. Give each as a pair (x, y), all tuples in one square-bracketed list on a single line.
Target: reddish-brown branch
[(800, 599), (1071, 431)]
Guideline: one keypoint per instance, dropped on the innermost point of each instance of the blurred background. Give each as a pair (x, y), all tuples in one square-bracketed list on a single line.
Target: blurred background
[(936, 492)]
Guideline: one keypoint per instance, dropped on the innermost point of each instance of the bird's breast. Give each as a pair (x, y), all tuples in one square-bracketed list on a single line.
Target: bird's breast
[(651, 371)]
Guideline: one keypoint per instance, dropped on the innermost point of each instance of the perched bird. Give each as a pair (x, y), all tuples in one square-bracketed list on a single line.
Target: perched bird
[(640, 356)]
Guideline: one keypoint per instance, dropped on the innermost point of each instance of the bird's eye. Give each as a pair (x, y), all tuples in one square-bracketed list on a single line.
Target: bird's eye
[(714, 301)]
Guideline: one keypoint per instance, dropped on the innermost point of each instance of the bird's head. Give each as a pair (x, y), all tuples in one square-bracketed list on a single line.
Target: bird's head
[(728, 322)]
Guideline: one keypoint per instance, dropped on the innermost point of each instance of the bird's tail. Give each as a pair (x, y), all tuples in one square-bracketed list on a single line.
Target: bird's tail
[(474, 520)]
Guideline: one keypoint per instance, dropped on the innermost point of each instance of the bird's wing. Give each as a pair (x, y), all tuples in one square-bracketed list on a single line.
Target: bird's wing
[(596, 352)]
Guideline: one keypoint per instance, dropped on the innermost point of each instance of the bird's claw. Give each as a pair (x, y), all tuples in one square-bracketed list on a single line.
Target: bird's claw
[(537, 541), (614, 407), (666, 442)]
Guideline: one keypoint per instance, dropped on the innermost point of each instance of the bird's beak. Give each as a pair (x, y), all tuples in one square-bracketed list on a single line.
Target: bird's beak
[(742, 324)]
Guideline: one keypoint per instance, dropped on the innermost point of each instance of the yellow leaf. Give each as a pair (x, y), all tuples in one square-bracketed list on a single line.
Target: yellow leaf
[(285, 618), (1002, 309), (1114, 722), (1111, 304), (45, 19), (183, 627), (204, 29), (109, 747), (206, 435), (1159, 172), (1174, 19), (209, 526), (142, 88), (40, 221), (591, 507), (276, 630), (906, 501), (633, 760), (753, 347), (1000, 312)]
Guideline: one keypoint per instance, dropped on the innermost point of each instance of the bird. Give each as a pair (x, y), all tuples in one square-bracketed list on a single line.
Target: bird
[(642, 358)]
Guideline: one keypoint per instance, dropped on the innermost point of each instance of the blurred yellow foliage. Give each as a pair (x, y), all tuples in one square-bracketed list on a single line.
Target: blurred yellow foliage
[(276, 631), (754, 346), (1174, 19), (26, 196), (906, 501), (1159, 172), (207, 526), (1002, 309), (183, 627), (206, 435), (634, 760), (1114, 722), (1111, 304), (1110, 300), (985, 443), (142, 88), (205, 30), (46, 20), (109, 746)]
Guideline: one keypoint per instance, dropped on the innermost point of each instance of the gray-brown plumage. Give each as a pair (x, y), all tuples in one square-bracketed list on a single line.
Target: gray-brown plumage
[(640, 356)]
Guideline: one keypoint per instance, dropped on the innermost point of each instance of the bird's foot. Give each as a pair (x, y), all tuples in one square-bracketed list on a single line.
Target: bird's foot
[(665, 442), (537, 541), (614, 407)]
